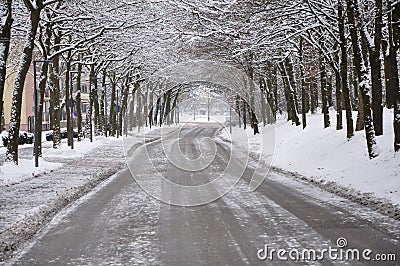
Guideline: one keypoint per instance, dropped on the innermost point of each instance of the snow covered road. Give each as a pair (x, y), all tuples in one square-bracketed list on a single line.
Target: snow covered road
[(121, 224)]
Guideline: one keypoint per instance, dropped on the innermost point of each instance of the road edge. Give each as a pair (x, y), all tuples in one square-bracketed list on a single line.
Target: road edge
[(21, 232), (381, 205)]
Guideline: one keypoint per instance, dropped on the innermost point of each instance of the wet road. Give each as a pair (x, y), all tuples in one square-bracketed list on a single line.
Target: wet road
[(121, 224)]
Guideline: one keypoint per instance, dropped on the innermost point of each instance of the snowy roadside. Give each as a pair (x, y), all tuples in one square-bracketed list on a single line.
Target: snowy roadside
[(51, 160), (27, 205), (30, 201), (325, 158)]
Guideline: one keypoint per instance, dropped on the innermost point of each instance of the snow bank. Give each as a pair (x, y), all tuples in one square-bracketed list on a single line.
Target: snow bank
[(12, 174), (51, 160), (325, 156), (80, 148)]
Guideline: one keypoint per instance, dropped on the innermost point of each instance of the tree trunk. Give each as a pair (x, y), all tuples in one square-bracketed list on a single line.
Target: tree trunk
[(391, 72), (286, 89), (344, 75), (314, 97), (112, 107), (42, 89), (290, 98), (325, 103), (237, 103), (394, 32), (151, 103), (339, 102), (68, 97), (292, 82), (25, 62), (157, 110), (42, 83), (376, 72), (6, 21), (95, 99), (125, 94), (79, 113), (364, 87), (79, 101), (102, 113), (244, 115), (263, 91), (303, 86), (55, 94)]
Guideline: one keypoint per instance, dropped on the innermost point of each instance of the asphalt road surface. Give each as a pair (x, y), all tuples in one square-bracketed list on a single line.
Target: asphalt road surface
[(121, 224)]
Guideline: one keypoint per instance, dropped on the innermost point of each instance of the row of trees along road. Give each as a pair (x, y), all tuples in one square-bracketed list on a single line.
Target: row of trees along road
[(306, 55)]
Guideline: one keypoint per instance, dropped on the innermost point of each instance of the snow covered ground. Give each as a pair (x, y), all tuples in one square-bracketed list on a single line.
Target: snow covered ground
[(51, 160), (30, 197), (325, 155)]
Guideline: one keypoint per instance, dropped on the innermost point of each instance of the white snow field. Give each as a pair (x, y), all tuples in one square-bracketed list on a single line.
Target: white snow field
[(325, 155)]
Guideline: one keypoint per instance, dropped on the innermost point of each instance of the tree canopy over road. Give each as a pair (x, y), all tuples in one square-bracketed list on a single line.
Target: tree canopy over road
[(304, 54)]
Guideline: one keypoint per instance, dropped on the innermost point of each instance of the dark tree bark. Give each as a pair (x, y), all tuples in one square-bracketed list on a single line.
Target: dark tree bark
[(162, 109), (272, 110), (303, 86), (394, 36), (329, 90), (95, 98), (55, 94), (391, 71), (290, 97), (325, 103), (357, 57), (102, 113), (271, 85), (125, 94), (292, 81), (376, 73), (175, 102), (244, 112), (79, 112), (150, 115), (339, 102), (25, 62), (344, 74), (79, 101), (286, 89), (139, 107), (42, 82), (237, 103), (157, 111), (112, 106), (6, 21), (364, 87), (274, 83), (167, 106), (264, 91), (314, 97), (68, 97)]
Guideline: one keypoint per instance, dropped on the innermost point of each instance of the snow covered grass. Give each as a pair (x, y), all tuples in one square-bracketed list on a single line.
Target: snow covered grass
[(11, 173), (51, 160), (80, 148), (325, 155), (29, 204), (30, 197)]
